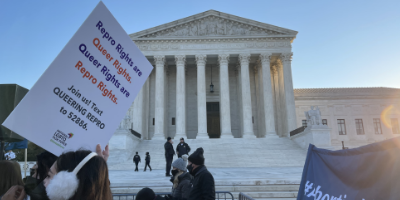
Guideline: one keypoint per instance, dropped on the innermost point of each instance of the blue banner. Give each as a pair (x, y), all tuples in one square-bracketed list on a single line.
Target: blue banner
[(370, 172), (17, 145)]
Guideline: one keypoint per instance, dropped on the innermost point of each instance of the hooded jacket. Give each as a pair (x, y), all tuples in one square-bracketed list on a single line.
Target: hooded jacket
[(203, 185)]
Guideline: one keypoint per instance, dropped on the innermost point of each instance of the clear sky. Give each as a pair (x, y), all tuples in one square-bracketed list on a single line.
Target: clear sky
[(340, 43)]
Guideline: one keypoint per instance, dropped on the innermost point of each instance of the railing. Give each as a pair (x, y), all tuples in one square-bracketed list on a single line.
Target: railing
[(222, 195), (136, 133), (297, 131), (218, 195), (243, 196)]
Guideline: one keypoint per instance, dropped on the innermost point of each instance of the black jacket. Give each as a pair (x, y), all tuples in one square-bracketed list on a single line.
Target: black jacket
[(203, 186), (182, 149), (182, 191), (169, 149), (136, 158), (148, 158)]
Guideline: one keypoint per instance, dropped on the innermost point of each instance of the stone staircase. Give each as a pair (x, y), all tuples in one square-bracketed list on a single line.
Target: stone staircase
[(263, 168), (219, 153)]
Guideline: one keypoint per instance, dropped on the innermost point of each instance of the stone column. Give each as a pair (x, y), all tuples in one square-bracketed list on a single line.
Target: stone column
[(160, 98), (180, 97), (246, 97), (278, 111), (224, 101), (282, 108), (267, 95), (140, 111), (289, 94), (201, 97)]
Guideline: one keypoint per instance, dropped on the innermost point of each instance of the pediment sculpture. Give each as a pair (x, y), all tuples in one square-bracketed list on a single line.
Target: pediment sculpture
[(212, 26)]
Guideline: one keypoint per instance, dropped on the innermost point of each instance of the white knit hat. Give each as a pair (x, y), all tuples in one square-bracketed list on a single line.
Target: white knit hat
[(181, 163)]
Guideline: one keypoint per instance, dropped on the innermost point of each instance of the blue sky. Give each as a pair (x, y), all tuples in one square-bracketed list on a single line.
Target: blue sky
[(339, 44)]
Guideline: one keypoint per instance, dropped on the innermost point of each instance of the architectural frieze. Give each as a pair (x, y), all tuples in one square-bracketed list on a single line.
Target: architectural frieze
[(154, 45)]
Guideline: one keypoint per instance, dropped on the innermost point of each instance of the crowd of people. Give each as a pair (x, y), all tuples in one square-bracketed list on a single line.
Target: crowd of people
[(83, 174)]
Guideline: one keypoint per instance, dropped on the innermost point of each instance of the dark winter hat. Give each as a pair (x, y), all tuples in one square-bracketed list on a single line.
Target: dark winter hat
[(182, 139), (145, 194), (197, 157), (169, 138)]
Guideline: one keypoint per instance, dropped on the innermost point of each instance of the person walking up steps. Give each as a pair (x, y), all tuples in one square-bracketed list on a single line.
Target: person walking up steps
[(136, 159), (147, 161)]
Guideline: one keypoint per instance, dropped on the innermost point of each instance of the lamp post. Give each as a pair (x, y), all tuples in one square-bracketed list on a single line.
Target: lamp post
[(211, 86)]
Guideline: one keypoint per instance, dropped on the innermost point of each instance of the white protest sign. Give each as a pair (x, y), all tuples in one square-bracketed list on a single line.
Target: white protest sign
[(85, 93)]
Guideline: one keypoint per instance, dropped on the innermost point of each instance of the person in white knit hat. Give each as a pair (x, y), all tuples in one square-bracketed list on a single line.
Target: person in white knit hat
[(180, 179)]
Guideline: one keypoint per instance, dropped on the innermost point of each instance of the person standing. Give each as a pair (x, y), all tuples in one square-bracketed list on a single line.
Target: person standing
[(181, 179), (147, 161), (169, 155), (136, 159), (182, 148), (203, 185)]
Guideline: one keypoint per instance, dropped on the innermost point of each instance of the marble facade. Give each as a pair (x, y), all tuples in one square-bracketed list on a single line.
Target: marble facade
[(241, 53), (351, 104), (249, 64)]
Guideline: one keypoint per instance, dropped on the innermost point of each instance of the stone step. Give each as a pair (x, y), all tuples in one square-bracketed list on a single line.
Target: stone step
[(245, 189), (220, 153), (273, 194)]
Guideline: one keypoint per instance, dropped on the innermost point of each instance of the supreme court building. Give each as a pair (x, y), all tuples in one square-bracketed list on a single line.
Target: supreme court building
[(218, 75)]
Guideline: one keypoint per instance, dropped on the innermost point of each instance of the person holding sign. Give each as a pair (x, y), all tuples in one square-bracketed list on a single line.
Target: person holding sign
[(78, 175)]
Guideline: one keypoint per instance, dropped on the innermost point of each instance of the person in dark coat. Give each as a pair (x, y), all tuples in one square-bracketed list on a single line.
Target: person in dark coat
[(147, 161), (181, 179), (203, 185), (182, 148), (136, 159), (169, 155)]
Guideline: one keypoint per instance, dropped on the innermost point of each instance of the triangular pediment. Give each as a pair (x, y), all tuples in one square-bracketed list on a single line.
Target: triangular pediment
[(213, 24)]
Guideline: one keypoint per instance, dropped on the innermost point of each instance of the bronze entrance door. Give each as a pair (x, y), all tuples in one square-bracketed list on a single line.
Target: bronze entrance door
[(213, 121)]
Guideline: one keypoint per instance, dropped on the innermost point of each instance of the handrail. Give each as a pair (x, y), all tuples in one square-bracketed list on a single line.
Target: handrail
[(297, 130), (243, 196), (135, 133)]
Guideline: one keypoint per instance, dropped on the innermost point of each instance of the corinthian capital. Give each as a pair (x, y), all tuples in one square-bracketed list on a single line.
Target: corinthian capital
[(201, 59), (159, 60), (244, 57), (286, 57), (265, 58), (274, 69), (180, 59), (223, 59)]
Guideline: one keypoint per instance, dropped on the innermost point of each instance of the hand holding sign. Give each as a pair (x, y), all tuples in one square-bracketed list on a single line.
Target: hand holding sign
[(84, 94)]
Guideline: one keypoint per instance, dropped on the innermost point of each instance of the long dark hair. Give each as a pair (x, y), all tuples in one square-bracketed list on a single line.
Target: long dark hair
[(10, 173), (44, 162), (93, 178)]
